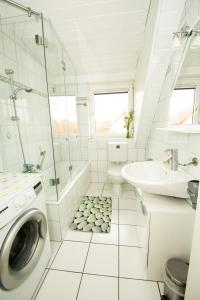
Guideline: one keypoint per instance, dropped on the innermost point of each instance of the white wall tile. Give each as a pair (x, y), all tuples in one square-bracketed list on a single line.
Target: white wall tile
[(132, 154), (102, 154), (102, 177), (84, 130), (102, 145), (92, 154), (141, 155), (102, 165), (92, 144), (55, 231), (52, 212), (94, 166), (95, 177)]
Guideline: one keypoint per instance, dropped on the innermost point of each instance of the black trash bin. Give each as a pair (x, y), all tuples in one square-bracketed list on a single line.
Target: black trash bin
[(175, 279)]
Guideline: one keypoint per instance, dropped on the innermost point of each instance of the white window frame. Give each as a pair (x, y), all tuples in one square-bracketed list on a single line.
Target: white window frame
[(94, 134), (196, 107)]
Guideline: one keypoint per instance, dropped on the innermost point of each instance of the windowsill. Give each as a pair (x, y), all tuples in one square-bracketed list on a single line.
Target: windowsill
[(66, 135), (110, 137), (187, 129)]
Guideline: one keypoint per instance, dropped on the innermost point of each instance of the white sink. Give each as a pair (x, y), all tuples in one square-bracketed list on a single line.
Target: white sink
[(153, 177)]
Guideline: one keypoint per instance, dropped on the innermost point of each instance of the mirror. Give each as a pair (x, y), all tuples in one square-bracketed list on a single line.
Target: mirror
[(185, 100)]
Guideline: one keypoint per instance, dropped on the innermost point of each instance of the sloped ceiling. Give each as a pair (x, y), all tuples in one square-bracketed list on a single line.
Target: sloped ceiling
[(103, 37)]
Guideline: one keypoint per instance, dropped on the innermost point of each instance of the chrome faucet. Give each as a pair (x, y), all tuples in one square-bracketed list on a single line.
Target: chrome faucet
[(173, 159)]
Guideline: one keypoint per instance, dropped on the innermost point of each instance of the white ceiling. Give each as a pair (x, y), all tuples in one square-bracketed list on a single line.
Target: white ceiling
[(103, 37)]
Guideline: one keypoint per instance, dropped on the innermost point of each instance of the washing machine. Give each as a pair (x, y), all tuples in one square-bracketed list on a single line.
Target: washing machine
[(24, 238)]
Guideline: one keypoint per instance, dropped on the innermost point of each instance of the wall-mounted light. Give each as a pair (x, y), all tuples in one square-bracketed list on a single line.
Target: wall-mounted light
[(181, 35), (196, 39)]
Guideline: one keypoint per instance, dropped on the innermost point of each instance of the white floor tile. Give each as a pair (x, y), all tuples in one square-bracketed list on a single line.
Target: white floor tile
[(102, 259), (128, 235), (96, 186), (131, 263), (114, 216), (54, 249), (127, 217), (59, 285), (114, 203), (161, 287), (107, 194), (138, 290), (75, 235), (98, 288), (107, 187), (129, 194), (107, 238), (92, 192), (71, 256), (127, 187), (127, 203), (40, 284)]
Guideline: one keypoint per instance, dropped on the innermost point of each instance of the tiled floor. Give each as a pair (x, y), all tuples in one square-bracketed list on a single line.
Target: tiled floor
[(87, 266)]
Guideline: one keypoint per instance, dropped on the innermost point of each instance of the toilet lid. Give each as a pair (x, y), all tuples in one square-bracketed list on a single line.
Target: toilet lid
[(115, 170)]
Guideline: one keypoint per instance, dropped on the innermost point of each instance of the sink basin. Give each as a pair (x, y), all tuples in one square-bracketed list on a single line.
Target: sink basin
[(153, 177)]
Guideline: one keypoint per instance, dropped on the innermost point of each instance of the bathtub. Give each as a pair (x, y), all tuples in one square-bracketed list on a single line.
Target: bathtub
[(60, 213)]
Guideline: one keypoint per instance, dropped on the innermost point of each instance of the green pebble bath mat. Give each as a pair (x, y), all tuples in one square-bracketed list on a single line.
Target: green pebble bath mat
[(94, 214)]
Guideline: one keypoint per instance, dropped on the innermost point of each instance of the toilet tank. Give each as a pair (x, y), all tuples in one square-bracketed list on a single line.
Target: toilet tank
[(117, 151)]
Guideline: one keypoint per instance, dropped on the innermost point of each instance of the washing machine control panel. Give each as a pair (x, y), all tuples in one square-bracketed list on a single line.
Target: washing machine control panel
[(15, 205)]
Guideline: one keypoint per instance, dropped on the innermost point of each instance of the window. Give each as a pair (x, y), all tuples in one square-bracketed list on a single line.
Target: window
[(182, 106), (110, 110), (63, 114)]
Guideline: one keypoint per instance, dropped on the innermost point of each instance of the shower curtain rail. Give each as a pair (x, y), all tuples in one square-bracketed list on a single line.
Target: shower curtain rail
[(22, 86), (20, 6)]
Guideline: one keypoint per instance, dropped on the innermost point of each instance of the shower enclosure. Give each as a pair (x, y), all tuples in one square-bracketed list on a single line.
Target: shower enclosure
[(38, 90)]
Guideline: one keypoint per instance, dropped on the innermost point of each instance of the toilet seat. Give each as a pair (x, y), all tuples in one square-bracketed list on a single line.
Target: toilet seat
[(115, 170), (117, 157)]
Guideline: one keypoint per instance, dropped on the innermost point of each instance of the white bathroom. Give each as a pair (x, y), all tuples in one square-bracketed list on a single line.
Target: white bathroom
[(99, 149)]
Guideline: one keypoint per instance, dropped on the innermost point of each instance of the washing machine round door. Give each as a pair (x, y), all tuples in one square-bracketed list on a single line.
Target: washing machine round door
[(22, 248)]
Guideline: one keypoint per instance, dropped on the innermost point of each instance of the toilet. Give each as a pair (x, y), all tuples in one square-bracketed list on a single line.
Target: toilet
[(117, 156)]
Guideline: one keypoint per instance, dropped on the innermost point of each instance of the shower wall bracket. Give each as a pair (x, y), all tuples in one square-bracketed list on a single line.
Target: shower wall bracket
[(40, 41), (14, 118), (54, 181)]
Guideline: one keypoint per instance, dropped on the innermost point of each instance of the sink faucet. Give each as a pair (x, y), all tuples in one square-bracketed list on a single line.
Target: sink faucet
[(172, 159)]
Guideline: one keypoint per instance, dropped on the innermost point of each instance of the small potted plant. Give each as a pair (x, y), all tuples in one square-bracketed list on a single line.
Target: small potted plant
[(128, 120)]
